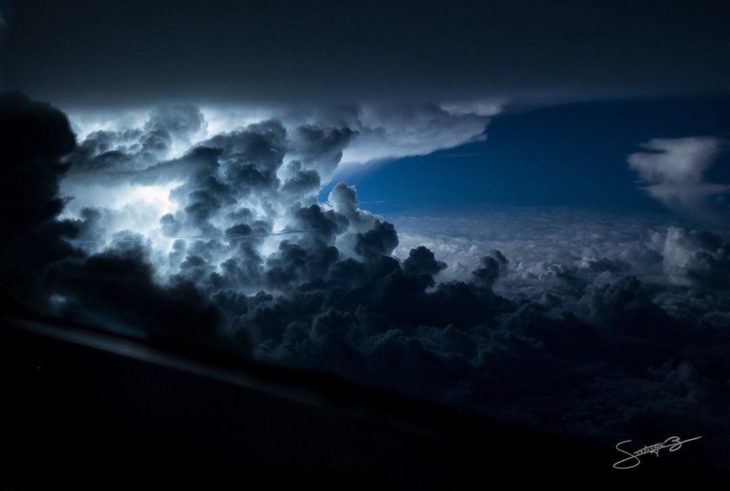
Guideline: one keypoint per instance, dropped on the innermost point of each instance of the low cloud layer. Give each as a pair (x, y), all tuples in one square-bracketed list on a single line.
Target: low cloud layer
[(219, 241), (673, 170)]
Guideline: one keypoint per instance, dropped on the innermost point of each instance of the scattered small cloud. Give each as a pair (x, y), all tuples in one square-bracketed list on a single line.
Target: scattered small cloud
[(673, 171), (480, 107)]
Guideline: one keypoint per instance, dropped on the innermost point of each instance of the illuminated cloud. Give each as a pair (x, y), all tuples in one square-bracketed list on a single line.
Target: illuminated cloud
[(228, 248), (377, 131), (389, 132)]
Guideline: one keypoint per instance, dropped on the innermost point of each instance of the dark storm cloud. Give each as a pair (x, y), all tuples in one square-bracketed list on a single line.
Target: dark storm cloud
[(421, 261), (301, 181), (91, 290), (34, 138), (39, 269), (84, 52), (626, 341), (320, 148), (111, 153), (378, 241), (181, 120)]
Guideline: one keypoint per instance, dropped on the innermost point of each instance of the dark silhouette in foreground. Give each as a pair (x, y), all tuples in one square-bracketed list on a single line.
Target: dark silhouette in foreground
[(88, 409)]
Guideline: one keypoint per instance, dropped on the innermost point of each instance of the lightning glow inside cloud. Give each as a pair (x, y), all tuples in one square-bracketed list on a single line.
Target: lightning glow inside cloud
[(161, 229)]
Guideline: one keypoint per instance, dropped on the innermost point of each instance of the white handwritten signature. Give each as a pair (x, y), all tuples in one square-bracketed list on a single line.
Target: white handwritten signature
[(673, 443)]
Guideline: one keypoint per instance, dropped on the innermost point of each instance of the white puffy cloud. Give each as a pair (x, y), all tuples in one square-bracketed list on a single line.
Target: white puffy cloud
[(388, 132), (673, 171)]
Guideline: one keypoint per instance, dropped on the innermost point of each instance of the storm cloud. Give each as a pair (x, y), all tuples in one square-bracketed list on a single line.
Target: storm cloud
[(223, 244)]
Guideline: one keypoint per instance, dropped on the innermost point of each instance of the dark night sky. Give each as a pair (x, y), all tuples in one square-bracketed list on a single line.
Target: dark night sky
[(573, 154), (81, 53)]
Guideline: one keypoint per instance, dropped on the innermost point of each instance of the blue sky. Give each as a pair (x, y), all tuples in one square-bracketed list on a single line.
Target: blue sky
[(568, 155)]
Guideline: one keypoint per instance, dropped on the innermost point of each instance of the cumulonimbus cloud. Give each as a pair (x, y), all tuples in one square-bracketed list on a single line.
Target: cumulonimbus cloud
[(376, 131), (673, 171), (393, 132), (227, 247)]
